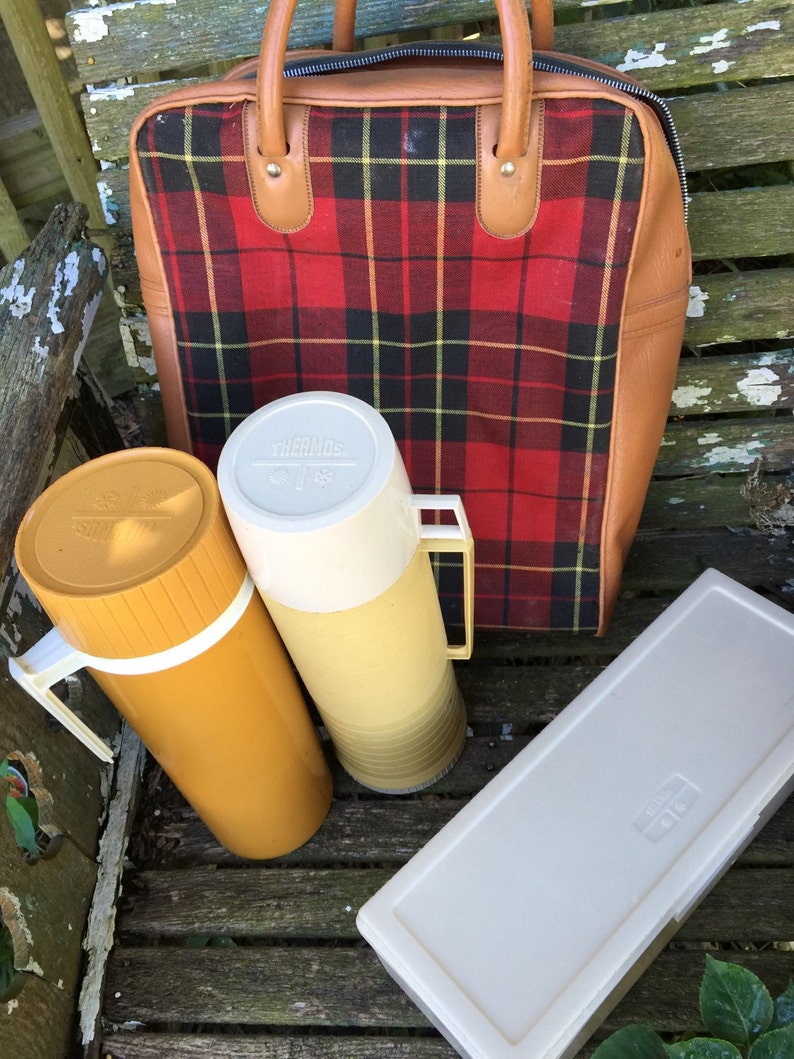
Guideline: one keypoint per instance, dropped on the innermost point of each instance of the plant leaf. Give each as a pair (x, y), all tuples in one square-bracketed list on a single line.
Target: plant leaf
[(196, 941), (704, 1048), (632, 1042), (734, 1002), (784, 1008), (3, 768), (31, 807), (777, 1044), (24, 832)]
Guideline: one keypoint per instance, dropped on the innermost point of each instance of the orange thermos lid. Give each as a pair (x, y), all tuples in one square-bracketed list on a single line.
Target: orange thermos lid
[(131, 553)]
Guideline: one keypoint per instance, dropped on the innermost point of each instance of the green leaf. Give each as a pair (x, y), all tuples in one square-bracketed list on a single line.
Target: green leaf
[(703, 1048), (777, 1044), (31, 807), (24, 831), (196, 941), (734, 1003), (3, 768), (784, 1008), (632, 1042)]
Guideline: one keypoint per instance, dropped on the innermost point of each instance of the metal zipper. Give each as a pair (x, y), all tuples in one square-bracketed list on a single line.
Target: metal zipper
[(320, 65)]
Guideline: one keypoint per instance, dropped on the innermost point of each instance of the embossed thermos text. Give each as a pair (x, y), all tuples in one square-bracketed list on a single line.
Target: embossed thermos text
[(320, 503), (132, 557)]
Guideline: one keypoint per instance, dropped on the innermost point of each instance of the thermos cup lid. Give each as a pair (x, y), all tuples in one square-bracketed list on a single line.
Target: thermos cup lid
[(131, 553), (319, 500)]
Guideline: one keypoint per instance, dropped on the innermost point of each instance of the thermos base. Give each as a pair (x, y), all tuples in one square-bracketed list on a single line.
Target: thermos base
[(419, 786), (407, 757)]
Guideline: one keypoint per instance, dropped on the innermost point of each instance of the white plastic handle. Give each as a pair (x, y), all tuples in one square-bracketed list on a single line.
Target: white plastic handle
[(453, 538), (52, 659)]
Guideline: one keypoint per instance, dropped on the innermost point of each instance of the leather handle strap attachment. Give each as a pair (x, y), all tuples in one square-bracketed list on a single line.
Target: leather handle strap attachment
[(517, 73)]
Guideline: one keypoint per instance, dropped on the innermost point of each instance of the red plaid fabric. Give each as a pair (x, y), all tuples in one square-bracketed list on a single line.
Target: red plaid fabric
[(492, 360)]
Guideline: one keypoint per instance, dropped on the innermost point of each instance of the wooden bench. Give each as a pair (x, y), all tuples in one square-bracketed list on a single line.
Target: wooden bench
[(52, 418), (216, 957)]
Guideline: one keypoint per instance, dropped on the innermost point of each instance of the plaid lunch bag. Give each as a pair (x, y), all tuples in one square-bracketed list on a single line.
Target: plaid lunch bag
[(486, 244)]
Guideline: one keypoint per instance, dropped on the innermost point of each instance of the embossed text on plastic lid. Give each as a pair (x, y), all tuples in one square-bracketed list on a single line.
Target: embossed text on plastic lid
[(319, 500), (131, 553), (310, 457)]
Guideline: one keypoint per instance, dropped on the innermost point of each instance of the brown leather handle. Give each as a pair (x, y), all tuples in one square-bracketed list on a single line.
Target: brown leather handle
[(516, 77)]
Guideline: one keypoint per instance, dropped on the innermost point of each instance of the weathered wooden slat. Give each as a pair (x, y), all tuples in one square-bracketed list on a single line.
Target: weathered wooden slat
[(142, 1045), (695, 503), (726, 224), (742, 383), (24, 22), (13, 234), (43, 327), (714, 43), (752, 223), (661, 47), (744, 125), (726, 446), (28, 165), (390, 832), (750, 905), (349, 987), (669, 562), (743, 305)]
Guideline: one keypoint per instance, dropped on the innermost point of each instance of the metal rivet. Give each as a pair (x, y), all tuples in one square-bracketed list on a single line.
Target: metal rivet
[(508, 168), (273, 169)]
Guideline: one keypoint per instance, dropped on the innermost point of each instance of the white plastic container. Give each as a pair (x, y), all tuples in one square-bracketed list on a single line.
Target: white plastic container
[(521, 924)]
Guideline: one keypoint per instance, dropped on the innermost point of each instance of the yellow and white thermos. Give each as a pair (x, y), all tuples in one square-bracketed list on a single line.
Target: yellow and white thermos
[(320, 503)]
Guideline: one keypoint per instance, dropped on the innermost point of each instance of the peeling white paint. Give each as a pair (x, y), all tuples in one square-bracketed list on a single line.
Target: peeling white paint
[(111, 92), (697, 302), (107, 200), (20, 300), (676, 500), (721, 66), (12, 1005), (743, 454), (91, 26), (773, 23), (89, 312), (711, 41), (759, 387), (41, 352), (8, 630), (67, 274), (709, 439), (643, 60), (21, 925), (690, 396)]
